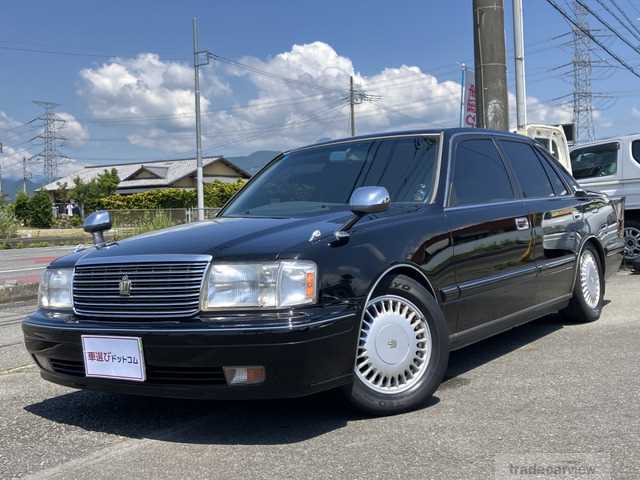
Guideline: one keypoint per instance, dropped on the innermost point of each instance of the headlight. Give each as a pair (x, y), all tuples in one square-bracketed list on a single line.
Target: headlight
[(264, 285), (55, 289)]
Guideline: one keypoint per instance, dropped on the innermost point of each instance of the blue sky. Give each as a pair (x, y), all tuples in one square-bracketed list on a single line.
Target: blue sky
[(121, 105)]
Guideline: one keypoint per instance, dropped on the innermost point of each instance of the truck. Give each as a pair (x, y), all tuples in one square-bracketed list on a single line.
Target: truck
[(612, 166)]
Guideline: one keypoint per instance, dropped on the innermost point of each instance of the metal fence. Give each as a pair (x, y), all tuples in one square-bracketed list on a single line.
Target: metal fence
[(153, 219)]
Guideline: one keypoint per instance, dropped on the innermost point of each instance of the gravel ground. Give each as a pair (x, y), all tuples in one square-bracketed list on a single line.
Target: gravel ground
[(545, 393)]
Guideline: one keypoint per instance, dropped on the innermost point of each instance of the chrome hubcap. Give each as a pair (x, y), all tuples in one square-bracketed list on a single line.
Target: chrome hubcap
[(631, 243), (590, 279), (394, 347)]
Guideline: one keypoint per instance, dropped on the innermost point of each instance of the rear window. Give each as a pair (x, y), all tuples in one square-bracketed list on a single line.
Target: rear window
[(528, 169), (635, 150), (595, 161)]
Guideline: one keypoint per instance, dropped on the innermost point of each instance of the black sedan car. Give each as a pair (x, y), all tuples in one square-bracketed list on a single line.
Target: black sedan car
[(356, 264)]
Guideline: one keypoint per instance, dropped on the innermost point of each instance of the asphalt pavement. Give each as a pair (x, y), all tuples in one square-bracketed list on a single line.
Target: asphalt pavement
[(25, 265), (545, 391)]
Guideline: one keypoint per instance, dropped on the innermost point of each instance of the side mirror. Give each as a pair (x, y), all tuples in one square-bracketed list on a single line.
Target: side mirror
[(96, 224), (579, 193), (363, 200), (369, 200)]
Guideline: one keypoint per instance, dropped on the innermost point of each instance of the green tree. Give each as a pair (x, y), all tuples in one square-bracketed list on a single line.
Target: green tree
[(90, 194), (21, 208), (40, 214)]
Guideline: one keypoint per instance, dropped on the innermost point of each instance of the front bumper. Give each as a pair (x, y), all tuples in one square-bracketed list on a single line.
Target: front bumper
[(312, 353)]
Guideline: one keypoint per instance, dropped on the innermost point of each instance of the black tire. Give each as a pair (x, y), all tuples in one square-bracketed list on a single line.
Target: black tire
[(631, 243), (579, 310), (374, 402)]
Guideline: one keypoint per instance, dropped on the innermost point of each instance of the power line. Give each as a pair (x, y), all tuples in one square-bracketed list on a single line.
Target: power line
[(628, 25), (75, 53), (592, 38), (607, 25)]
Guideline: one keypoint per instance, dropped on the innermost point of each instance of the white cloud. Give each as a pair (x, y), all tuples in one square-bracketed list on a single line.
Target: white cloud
[(279, 114), (75, 133), (146, 88)]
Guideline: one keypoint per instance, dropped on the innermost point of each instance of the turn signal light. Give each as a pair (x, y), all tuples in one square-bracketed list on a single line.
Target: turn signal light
[(244, 375)]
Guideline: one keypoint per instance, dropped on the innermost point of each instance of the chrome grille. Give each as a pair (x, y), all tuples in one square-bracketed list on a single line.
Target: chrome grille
[(158, 290)]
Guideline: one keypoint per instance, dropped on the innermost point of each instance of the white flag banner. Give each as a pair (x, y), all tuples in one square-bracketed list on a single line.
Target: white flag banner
[(469, 118)]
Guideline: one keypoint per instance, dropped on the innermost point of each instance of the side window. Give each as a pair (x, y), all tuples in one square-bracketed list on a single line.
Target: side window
[(558, 185), (595, 161), (528, 169), (405, 168), (635, 150), (479, 176)]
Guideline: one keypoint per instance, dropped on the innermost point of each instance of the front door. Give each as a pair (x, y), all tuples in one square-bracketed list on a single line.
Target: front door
[(491, 236)]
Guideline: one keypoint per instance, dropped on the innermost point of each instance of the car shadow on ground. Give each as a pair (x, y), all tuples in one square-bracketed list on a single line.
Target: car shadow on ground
[(254, 422)]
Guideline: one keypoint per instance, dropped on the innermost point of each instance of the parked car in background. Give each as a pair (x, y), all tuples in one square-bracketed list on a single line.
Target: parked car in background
[(356, 264), (612, 166)]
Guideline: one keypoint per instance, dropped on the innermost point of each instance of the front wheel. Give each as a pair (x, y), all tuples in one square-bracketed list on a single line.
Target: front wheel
[(403, 349), (588, 293)]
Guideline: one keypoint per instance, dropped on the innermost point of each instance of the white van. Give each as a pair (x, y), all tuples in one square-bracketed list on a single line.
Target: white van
[(612, 166)]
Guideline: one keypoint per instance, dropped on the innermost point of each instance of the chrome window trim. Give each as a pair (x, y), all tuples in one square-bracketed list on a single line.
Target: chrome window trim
[(446, 205), (481, 135)]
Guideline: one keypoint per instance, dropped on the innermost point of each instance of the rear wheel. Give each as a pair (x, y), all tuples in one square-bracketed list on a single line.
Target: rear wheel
[(632, 240), (588, 292), (403, 349)]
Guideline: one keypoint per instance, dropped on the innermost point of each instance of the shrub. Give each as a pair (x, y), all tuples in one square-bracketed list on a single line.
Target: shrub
[(217, 193), (151, 199), (8, 222), (40, 214)]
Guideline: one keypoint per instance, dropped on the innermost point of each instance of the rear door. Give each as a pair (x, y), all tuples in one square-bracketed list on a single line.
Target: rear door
[(554, 219), (491, 235)]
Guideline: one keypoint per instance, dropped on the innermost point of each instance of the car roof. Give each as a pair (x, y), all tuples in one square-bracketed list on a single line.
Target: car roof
[(602, 141), (448, 132)]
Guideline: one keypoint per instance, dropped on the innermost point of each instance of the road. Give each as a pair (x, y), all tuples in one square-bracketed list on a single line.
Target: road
[(547, 387), (25, 265)]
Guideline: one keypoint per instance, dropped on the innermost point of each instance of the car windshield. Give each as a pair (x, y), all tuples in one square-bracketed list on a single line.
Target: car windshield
[(320, 179)]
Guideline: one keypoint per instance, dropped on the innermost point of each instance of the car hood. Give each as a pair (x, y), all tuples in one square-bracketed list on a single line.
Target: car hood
[(224, 237)]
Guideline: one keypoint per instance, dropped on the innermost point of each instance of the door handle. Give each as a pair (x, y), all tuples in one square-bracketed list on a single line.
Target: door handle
[(522, 223)]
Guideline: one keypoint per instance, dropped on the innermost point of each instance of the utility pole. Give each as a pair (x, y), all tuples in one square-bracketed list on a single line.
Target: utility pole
[(352, 106), (463, 87), (356, 96), (24, 174), (518, 48), (490, 64), (200, 174), (1, 194)]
